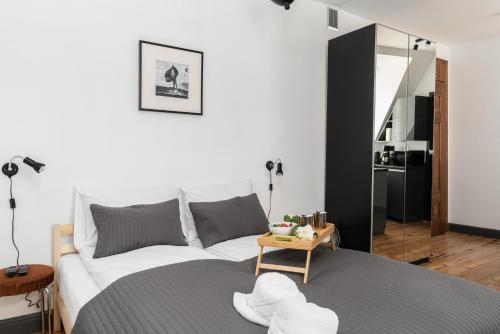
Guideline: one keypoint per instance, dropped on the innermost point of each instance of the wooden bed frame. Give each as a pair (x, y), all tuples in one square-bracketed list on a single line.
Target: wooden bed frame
[(60, 249)]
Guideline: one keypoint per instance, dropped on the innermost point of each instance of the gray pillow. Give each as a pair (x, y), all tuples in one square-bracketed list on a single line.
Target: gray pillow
[(229, 219), (120, 230)]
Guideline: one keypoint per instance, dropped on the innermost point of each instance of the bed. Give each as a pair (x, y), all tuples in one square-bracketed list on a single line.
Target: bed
[(366, 292), (76, 284), (187, 286)]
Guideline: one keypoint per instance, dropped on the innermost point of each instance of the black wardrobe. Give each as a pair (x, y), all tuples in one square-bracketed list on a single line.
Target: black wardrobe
[(372, 63), (349, 151)]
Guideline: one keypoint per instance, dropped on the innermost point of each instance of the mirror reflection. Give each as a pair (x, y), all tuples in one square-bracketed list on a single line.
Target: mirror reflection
[(421, 87), (389, 134), (403, 129)]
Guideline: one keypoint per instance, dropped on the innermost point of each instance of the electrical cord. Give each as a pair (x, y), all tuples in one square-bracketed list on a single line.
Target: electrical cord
[(270, 194), (30, 301), (270, 166), (13, 225), (13, 208), (337, 238)]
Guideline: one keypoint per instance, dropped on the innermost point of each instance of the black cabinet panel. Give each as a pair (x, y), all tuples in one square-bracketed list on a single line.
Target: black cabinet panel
[(396, 196), (424, 117), (407, 197), (380, 183), (415, 193), (351, 77)]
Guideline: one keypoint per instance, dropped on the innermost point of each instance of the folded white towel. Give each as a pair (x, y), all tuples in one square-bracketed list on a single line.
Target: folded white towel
[(277, 303), (269, 290), (303, 318)]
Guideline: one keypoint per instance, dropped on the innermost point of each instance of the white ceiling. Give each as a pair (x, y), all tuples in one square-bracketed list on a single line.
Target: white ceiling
[(446, 21)]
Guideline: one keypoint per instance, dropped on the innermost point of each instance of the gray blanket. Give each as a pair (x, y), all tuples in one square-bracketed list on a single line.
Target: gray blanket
[(369, 294)]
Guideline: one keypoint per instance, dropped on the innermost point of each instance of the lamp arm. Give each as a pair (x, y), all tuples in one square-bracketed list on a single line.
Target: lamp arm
[(10, 169), (14, 158)]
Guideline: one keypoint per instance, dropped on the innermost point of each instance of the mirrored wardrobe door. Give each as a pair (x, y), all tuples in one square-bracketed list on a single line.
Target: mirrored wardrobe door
[(390, 133), (418, 157)]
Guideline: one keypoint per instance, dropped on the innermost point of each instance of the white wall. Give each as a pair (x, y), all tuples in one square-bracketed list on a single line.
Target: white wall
[(68, 97), (443, 51), (474, 134), (428, 82)]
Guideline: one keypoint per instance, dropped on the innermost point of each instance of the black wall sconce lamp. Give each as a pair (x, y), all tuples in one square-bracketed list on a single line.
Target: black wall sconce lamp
[(279, 172), (270, 166), (10, 169)]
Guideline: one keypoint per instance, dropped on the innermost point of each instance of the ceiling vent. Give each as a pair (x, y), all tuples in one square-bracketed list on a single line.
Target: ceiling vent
[(333, 19)]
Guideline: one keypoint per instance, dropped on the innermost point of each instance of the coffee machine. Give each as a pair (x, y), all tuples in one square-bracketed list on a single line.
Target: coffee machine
[(388, 155)]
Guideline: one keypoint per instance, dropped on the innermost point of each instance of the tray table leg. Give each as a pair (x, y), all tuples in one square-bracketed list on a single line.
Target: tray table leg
[(259, 260), (308, 262)]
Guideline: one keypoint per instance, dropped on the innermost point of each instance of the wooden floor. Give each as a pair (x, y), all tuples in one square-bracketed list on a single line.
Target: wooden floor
[(404, 242), (470, 257)]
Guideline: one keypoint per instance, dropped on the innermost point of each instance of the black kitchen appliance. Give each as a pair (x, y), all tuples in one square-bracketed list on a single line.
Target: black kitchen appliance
[(385, 157), (399, 158), (388, 155), (415, 158)]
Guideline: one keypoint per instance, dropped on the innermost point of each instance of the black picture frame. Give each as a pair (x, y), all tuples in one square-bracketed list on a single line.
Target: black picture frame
[(140, 105)]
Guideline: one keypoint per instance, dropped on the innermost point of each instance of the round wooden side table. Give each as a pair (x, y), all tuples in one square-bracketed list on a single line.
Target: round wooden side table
[(39, 278)]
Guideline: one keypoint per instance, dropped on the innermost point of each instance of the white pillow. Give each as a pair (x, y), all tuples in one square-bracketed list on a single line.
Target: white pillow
[(210, 194), (85, 235)]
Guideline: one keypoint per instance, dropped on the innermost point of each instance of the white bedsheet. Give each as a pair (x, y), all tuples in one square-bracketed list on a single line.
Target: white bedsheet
[(106, 270), (236, 249), (76, 286)]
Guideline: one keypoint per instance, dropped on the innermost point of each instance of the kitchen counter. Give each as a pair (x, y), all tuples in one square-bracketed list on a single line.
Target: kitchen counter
[(377, 166), (402, 168)]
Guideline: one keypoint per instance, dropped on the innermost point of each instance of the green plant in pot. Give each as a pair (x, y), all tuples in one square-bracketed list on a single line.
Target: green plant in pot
[(292, 219)]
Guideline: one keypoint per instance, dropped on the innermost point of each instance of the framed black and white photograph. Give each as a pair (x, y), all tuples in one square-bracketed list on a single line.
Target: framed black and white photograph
[(170, 79)]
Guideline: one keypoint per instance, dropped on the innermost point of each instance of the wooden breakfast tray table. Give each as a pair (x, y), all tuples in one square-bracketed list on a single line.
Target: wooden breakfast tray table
[(269, 240)]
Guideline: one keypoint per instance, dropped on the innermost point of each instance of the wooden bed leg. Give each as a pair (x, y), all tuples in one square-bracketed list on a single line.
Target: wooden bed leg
[(57, 316)]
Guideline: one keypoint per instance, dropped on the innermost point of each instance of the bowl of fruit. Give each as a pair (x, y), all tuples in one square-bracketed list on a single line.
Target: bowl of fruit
[(282, 228)]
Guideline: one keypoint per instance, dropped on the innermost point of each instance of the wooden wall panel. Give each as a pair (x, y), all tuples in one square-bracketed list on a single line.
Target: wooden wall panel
[(440, 162)]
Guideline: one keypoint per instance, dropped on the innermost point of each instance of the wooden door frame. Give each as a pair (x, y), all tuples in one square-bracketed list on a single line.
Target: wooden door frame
[(439, 205)]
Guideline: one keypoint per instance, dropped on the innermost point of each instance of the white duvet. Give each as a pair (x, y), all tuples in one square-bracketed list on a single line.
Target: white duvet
[(239, 249), (108, 269)]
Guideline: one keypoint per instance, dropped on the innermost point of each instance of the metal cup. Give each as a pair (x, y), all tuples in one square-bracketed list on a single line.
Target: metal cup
[(322, 219), (316, 219), (310, 220)]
